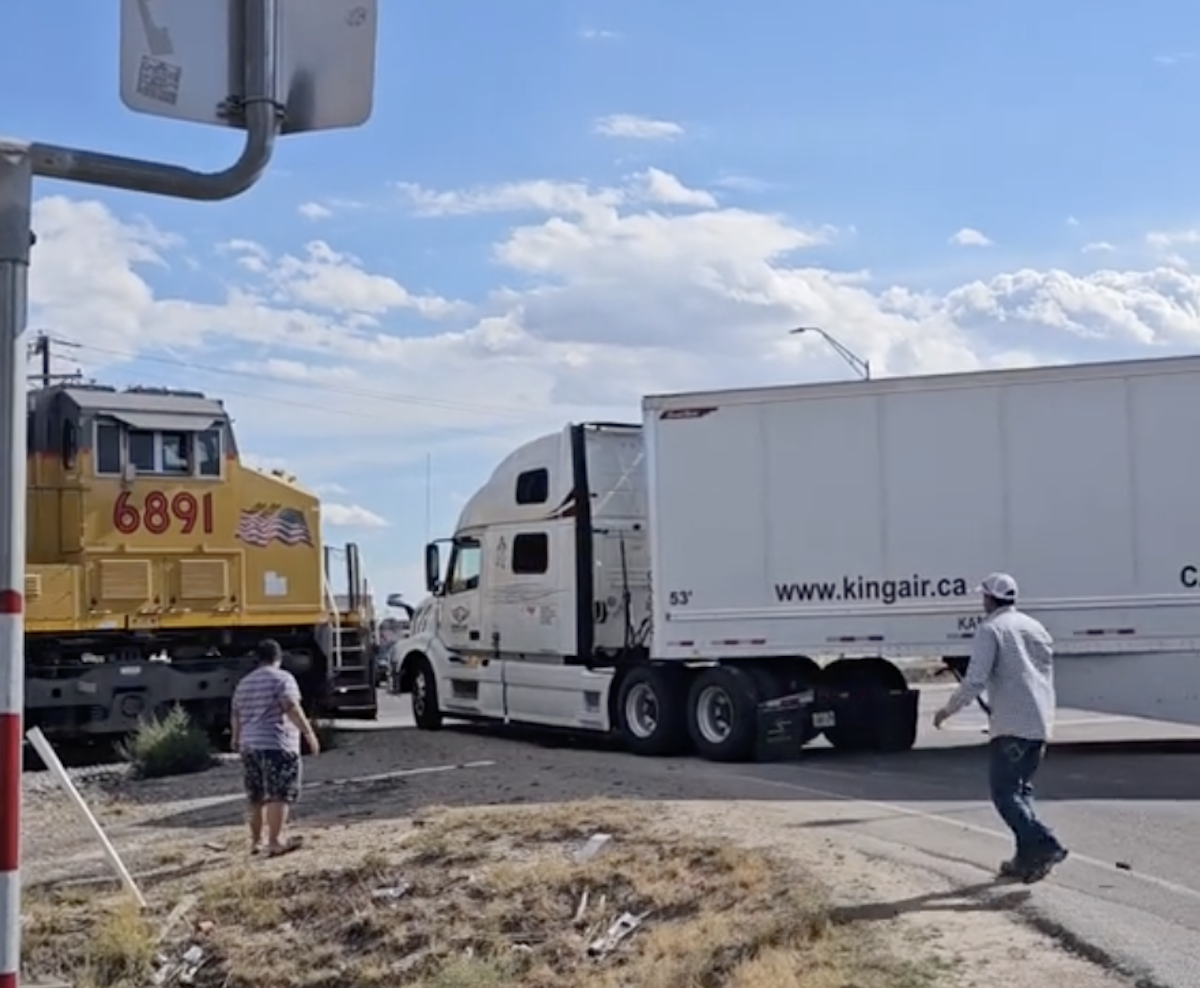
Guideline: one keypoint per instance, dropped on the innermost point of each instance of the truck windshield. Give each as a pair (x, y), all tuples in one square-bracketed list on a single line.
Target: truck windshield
[(464, 574)]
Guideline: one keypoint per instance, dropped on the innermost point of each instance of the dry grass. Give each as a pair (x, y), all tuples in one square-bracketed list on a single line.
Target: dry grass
[(492, 901)]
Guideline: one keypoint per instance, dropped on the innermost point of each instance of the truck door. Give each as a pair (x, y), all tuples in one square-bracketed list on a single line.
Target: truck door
[(474, 679)]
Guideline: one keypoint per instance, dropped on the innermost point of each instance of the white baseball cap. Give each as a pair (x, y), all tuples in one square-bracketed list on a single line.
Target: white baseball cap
[(999, 586)]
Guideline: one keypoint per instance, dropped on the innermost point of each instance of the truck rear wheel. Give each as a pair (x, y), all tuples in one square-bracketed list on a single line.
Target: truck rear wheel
[(723, 714), (651, 714), (425, 708)]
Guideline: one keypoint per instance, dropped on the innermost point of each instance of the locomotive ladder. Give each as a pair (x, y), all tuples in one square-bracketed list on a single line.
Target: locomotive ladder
[(352, 646)]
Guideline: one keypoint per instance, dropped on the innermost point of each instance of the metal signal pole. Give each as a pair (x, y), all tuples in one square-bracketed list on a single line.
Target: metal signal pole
[(324, 81)]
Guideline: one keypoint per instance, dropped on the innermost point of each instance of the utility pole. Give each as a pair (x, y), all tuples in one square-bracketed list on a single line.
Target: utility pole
[(41, 348)]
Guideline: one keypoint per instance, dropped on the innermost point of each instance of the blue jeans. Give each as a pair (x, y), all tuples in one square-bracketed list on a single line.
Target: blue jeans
[(1014, 762)]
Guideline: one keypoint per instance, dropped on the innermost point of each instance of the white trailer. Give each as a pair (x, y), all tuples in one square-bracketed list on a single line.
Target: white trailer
[(678, 582)]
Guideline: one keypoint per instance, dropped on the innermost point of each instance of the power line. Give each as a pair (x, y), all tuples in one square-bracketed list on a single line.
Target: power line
[(401, 399)]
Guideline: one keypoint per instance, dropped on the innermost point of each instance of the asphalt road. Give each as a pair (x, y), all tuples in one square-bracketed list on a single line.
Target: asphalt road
[(1131, 889)]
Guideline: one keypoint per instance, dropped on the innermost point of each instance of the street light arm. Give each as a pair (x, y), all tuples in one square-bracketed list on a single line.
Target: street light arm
[(862, 367), (853, 359)]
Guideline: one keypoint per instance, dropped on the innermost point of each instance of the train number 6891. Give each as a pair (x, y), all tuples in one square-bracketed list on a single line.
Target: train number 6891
[(158, 512)]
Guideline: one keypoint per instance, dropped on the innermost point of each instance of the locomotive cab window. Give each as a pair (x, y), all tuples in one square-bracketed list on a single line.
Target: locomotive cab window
[(142, 452), (176, 449), (108, 448), (208, 452), (70, 444), (167, 453)]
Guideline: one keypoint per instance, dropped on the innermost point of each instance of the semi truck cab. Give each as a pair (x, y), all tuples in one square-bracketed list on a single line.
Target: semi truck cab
[(543, 589)]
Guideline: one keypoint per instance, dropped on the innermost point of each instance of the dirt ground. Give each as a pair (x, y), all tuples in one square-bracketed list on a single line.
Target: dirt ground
[(184, 837)]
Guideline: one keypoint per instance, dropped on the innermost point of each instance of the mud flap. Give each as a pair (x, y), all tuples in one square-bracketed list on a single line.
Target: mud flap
[(785, 725)]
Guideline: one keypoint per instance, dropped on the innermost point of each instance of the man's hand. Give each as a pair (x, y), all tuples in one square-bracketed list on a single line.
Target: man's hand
[(940, 718), (314, 746)]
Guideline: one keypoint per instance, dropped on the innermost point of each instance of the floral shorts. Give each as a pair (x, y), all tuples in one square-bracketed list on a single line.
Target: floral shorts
[(271, 776)]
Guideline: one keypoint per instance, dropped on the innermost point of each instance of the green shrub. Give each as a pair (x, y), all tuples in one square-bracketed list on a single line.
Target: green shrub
[(172, 745)]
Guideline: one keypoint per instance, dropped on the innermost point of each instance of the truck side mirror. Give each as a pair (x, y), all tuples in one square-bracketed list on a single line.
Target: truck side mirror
[(433, 567), (395, 600)]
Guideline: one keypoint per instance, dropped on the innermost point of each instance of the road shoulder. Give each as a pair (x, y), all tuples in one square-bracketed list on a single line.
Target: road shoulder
[(977, 933)]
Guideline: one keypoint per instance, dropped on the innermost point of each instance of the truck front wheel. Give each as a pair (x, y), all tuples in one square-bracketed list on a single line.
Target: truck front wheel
[(651, 715), (723, 714), (426, 712)]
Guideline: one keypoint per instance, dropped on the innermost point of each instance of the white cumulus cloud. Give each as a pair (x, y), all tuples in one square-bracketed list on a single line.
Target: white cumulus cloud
[(633, 127), (968, 237), (314, 211), (351, 516)]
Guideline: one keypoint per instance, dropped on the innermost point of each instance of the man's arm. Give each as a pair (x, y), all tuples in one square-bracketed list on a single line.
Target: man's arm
[(235, 720), (983, 660), (295, 713)]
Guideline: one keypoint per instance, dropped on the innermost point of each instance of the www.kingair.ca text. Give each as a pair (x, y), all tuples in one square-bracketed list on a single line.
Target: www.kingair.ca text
[(854, 589)]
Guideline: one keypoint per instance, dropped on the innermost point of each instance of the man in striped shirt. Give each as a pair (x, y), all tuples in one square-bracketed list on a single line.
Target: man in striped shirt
[(1012, 659), (267, 724)]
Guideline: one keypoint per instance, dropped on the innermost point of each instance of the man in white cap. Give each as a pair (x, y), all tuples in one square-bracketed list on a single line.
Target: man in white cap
[(1012, 659)]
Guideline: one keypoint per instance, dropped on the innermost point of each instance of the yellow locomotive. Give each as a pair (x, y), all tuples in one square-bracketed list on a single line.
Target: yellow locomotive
[(156, 561)]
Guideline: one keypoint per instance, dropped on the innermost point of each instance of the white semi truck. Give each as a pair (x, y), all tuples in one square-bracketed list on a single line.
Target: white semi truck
[(746, 566)]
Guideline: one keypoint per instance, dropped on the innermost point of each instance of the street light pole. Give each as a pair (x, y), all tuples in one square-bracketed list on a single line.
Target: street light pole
[(861, 367)]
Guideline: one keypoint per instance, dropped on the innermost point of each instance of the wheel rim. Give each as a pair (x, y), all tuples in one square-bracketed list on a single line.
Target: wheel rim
[(714, 714), (418, 693), (641, 710)]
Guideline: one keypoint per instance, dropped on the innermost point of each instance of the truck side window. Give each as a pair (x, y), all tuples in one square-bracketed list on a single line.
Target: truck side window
[(533, 486), (531, 553), (108, 448), (465, 574)]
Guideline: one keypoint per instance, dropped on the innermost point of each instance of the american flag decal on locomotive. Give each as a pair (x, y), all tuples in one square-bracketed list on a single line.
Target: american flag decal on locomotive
[(263, 524)]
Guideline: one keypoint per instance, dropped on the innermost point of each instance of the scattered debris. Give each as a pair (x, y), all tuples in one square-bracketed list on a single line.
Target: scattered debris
[(596, 843), (579, 913), (181, 972), (182, 908), (1125, 866), (393, 892), (621, 927)]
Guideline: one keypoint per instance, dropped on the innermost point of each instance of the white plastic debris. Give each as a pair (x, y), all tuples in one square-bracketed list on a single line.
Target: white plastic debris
[(596, 843), (392, 892), (621, 927), (579, 913), (193, 960)]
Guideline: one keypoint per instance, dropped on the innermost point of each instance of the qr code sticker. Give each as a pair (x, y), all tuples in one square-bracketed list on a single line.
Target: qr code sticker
[(159, 80)]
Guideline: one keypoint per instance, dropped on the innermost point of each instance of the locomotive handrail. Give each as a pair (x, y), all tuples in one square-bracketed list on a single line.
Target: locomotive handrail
[(335, 618)]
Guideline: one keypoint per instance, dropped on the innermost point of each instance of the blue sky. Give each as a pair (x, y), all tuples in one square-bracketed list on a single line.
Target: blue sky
[(556, 207)]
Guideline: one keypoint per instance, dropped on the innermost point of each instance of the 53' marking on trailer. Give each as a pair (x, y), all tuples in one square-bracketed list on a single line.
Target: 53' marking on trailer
[(159, 513)]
